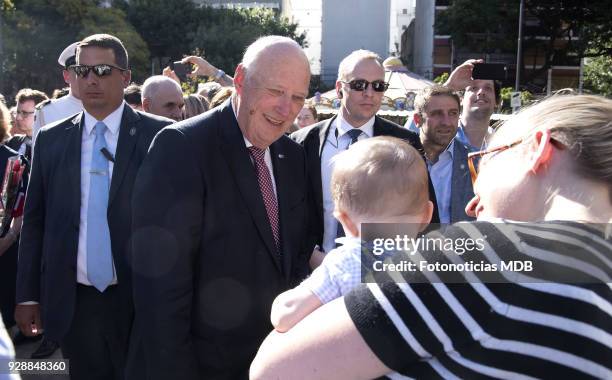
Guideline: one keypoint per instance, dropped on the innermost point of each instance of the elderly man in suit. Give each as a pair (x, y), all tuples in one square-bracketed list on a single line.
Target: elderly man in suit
[(220, 215), (437, 110), (360, 87), (73, 254)]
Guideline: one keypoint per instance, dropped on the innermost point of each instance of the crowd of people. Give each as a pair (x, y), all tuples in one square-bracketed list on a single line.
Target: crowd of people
[(219, 235)]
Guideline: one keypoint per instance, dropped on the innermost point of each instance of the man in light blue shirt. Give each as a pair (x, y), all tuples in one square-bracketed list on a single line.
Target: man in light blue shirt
[(480, 99), (437, 116)]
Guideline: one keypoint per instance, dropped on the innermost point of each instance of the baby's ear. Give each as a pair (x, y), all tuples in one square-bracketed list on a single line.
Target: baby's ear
[(426, 215), (350, 226)]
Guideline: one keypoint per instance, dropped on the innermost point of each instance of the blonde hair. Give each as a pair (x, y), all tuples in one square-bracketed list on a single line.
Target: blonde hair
[(221, 96), (583, 123), (380, 176), (348, 63), (194, 105)]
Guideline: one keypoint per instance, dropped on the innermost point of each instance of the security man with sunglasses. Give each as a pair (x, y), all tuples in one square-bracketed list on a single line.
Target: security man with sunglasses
[(74, 252), (360, 87)]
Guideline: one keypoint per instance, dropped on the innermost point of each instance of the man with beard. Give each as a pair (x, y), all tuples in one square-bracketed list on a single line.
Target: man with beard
[(436, 116)]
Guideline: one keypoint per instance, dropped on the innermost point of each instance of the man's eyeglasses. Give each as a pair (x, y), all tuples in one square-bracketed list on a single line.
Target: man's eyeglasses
[(100, 70), (362, 85), (24, 114), (472, 156)]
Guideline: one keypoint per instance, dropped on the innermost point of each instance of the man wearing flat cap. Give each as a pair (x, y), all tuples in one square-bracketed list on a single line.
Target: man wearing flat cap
[(53, 110)]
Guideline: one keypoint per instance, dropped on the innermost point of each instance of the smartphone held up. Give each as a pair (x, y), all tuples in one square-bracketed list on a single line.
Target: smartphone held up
[(181, 69), (493, 71)]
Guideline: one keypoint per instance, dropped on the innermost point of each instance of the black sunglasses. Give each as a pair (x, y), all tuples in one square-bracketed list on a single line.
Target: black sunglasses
[(100, 70), (362, 85)]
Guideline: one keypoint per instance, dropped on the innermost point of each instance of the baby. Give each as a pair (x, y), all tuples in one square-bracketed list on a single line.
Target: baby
[(377, 180)]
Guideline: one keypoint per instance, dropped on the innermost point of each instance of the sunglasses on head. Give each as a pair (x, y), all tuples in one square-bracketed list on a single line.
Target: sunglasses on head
[(362, 85), (100, 70)]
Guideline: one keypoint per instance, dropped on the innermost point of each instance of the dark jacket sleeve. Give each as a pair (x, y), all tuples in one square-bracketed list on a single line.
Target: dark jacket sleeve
[(167, 219), (29, 264)]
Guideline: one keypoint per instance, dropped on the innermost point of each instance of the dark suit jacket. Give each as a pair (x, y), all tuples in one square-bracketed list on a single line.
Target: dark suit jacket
[(208, 267), (461, 184), (50, 232), (8, 260), (312, 138)]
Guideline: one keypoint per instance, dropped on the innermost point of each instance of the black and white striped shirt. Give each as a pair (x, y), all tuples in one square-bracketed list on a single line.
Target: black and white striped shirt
[(522, 328)]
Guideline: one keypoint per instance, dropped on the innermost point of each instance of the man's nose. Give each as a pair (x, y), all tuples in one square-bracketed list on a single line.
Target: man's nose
[(177, 113), (369, 91), (284, 104), (90, 77), (447, 120)]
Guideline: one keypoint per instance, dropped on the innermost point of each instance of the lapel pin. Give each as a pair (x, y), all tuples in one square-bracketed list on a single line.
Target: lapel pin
[(281, 155), (132, 131)]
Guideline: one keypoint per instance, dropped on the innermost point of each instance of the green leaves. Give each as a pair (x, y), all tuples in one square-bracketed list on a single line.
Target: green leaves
[(36, 31), (598, 75), (224, 34)]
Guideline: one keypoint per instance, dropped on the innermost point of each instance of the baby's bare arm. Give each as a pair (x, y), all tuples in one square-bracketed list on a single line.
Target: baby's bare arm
[(292, 306)]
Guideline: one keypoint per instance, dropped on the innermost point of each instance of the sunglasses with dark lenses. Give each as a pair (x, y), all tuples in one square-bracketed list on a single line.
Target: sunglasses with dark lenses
[(362, 85), (100, 70)]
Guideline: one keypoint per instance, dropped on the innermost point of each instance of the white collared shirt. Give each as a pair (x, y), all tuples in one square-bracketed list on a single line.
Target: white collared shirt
[(334, 144), (113, 123), (267, 155)]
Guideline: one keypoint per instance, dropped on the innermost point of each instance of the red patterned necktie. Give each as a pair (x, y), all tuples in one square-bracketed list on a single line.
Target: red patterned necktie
[(267, 191)]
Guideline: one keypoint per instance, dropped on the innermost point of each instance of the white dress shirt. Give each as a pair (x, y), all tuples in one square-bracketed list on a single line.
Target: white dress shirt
[(267, 156), (113, 122), (337, 141)]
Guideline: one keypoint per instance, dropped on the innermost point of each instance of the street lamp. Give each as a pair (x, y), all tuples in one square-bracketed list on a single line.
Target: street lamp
[(519, 54)]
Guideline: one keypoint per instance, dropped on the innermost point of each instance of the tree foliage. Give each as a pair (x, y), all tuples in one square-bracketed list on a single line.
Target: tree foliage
[(164, 25), (571, 29), (598, 75), (36, 31), (486, 25), (223, 34)]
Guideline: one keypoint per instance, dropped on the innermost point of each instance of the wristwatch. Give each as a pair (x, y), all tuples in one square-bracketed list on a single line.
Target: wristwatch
[(219, 74)]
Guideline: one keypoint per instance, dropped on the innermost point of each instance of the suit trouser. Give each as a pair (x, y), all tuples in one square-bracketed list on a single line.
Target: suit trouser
[(96, 344), (8, 278)]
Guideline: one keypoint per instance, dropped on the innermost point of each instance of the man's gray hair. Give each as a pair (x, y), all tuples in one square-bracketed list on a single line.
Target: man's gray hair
[(154, 83), (349, 62)]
